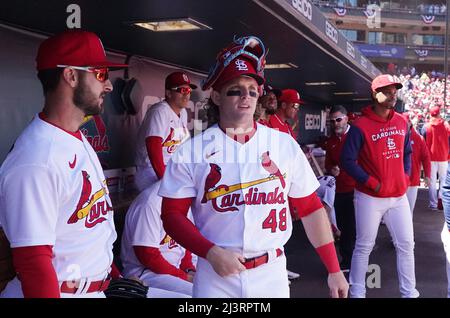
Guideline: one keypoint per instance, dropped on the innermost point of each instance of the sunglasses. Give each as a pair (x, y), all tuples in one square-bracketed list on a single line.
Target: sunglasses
[(182, 90), (337, 119), (101, 74), (235, 92)]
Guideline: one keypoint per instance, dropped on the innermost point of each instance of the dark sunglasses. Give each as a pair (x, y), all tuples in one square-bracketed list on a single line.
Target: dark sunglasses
[(101, 74), (235, 92), (337, 119), (182, 90)]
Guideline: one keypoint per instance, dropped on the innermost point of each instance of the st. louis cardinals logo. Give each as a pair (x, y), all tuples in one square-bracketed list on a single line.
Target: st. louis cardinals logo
[(170, 241), (229, 199), (90, 207), (241, 65), (171, 143)]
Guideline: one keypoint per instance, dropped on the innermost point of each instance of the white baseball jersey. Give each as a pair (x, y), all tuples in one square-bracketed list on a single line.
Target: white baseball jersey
[(241, 190), (327, 190), (160, 121), (53, 192), (143, 227)]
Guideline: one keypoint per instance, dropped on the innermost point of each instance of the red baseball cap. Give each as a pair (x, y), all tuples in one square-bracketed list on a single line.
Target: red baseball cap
[(177, 79), (290, 96), (435, 110), (383, 81), (74, 48), (240, 66)]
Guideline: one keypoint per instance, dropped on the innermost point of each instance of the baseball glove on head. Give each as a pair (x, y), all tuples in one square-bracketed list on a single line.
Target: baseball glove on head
[(126, 288)]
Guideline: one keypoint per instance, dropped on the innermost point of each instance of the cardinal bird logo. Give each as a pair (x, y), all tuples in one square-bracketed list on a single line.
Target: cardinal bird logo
[(212, 179), (84, 197), (272, 168)]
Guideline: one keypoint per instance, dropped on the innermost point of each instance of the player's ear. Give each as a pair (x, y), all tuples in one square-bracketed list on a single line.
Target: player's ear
[(215, 97), (70, 76)]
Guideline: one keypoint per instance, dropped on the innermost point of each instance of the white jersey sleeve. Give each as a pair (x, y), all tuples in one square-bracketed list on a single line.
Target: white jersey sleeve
[(159, 123), (178, 181), (146, 226), (304, 181), (37, 193)]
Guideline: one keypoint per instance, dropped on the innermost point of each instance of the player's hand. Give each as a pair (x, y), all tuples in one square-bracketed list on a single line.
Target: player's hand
[(426, 182), (225, 262), (338, 285), (335, 171)]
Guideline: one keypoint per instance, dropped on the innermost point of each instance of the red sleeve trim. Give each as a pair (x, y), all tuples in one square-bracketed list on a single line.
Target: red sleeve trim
[(155, 154), (180, 228), (152, 259), (35, 271), (301, 207)]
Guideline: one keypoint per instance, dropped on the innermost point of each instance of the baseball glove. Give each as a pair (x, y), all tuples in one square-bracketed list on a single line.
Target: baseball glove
[(126, 288)]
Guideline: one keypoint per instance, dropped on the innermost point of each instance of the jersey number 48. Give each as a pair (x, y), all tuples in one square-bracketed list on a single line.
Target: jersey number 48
[(273, 221)]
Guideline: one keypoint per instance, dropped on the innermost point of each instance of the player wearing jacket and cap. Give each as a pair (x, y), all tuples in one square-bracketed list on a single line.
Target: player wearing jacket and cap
[(54, 203), (163, 129), (377, 155), (436, 134), (240, 185)]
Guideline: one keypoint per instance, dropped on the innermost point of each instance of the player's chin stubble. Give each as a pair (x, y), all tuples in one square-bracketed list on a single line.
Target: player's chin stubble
[(85, 99)]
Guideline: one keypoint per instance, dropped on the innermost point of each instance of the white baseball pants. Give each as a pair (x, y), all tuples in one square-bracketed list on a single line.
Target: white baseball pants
[(397, 216), (266, 281), (437, 168), (411, 194)]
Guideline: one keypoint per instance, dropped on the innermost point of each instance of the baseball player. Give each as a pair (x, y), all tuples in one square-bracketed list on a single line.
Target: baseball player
[(345, 185), (288, 105), (163, 129), (420, 157), (148, 253), (54, 203), (267, 104), (436, 133), (240, 185), (377, 155)]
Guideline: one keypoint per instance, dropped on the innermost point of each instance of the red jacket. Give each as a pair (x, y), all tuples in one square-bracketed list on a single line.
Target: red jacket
[(436, 137), (344, 183), (377, 152), (420, 157)]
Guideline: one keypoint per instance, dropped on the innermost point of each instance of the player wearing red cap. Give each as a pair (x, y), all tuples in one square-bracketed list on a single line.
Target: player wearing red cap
[(240, 184), (163, 129), (54, 203), (288, 105), (377, 155), (436, 133)]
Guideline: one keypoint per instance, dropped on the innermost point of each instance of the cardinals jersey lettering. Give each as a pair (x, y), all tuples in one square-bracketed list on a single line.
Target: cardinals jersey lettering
[(53, 192), (160, 121), (241, 189), (143, 227)]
